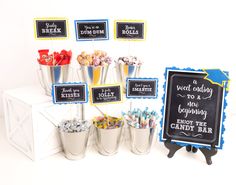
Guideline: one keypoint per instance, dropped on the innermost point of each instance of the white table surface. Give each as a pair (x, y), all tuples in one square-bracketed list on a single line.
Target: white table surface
[(122, 168)]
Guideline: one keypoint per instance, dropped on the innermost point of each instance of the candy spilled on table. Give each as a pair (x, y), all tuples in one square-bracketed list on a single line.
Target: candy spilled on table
[(141, 119), (107, 122), (54, 59), (97, 58)]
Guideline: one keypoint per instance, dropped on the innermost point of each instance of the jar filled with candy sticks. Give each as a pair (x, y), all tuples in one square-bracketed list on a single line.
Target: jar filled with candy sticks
[(142, 127)]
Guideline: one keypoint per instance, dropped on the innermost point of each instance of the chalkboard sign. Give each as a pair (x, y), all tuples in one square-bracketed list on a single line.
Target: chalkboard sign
[(193, 109), (130, 30), (51, 29), (91, 30), (64, 93), (106, 94), (141, 87)]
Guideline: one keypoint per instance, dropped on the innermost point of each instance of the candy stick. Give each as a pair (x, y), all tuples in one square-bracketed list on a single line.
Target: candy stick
[(129, 47), (80, 111), (53, 60), (130, 105), (71, 115), (100, 111)]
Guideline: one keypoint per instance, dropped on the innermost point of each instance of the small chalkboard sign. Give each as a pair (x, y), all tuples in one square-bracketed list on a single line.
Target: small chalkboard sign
[(193, 109), (106, 94), (69, 93), (91, 30), (130, 30), (141, 87), (51, 28)]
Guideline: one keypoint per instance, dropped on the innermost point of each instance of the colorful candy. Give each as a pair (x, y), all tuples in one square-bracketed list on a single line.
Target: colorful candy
[(130, 60), (98, 58), (107, 122), (141, 119), (74, 125), (55, 58)]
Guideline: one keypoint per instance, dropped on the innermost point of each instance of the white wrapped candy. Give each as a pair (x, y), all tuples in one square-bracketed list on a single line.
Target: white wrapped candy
[(130, 60), (74, 125)]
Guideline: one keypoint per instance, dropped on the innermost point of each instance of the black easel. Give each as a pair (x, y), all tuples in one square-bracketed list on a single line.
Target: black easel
[(206, 152)]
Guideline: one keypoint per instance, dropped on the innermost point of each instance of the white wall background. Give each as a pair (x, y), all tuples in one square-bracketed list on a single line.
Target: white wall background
[(184, 33)]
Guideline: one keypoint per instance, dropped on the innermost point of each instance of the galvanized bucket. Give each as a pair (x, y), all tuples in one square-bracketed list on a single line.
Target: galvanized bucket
[(49, 75), (93, 75), (108, 140), (141, 139), (74, 144), (123, 71)]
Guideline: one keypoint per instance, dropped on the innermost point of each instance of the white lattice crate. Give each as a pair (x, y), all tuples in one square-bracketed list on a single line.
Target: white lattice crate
[(30, 119)]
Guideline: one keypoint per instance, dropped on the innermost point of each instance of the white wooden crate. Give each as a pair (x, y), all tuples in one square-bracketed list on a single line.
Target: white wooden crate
[(30, 119)]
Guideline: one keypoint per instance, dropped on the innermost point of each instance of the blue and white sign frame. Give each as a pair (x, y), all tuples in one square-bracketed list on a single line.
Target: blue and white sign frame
[(185, 93), (70, 93), (92, 30), (142, 88)]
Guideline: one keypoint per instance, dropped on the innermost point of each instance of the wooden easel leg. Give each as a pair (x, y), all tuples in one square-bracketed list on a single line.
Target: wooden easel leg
[(172, 148), (190, 148), (208, 154)]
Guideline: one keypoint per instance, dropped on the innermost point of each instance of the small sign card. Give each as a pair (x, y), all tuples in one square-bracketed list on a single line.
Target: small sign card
[(106, 94), (130, 30), (69, 93), (91, 30), (51, 28), (141, 87), (194, 104)]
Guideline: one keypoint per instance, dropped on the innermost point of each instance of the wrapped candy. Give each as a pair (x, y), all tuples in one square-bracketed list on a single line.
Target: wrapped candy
[(141, 119), (74, 125), (55, 58), (130, 60), (107, 122), (98, 58)]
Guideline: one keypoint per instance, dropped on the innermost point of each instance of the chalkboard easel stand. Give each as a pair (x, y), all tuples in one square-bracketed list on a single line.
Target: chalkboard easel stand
[(206, 152)]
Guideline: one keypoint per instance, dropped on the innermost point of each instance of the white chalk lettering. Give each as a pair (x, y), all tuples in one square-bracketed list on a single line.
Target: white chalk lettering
[(192, 111)]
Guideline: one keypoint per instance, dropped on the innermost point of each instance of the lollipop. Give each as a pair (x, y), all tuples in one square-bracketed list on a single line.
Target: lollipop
[(130, 60), (97, 58)]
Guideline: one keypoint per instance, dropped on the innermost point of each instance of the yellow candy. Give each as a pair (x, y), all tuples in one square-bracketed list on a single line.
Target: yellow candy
[(79, 58), (103, 54), (83, 54), (86, 62), (97, 52)]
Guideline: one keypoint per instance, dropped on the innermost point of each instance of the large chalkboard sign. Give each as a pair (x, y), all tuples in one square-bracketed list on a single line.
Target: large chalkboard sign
[(91, 30), (106, 94), (51, 28), (65, 93), (141, 87), (130, 30), (193, 109)]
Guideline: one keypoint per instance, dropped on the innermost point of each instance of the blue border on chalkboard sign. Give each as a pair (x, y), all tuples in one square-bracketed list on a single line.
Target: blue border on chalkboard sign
[(92, 20), (70, 83), (142, 97), (223, 117)]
